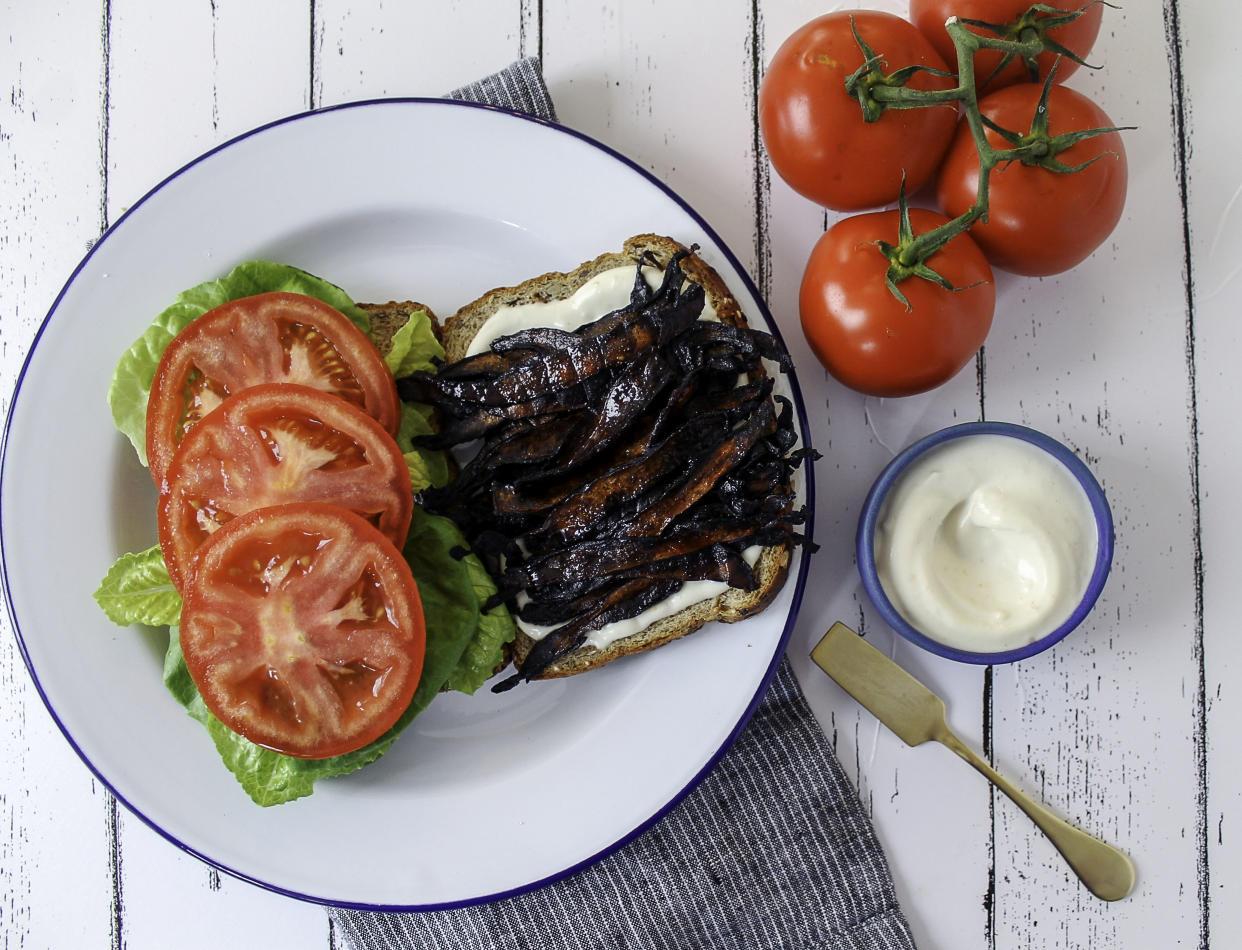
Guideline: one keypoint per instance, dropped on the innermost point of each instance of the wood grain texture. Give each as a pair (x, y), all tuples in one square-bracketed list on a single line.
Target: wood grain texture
[(1130, 359), (1210, 187), (50, 199)]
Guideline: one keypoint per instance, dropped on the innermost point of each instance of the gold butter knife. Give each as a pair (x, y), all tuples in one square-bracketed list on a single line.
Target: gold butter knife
[(917, 715)]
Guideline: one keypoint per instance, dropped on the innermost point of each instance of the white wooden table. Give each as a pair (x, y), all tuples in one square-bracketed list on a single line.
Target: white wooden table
[(1131, 358)]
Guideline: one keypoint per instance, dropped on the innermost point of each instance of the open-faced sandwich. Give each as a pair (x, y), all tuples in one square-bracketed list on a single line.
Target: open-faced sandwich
[(631, 470), (620, 474)]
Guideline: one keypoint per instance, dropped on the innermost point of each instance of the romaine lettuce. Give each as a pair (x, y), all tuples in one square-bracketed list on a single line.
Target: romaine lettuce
[(464, 645), (137, 589), (131, 383)]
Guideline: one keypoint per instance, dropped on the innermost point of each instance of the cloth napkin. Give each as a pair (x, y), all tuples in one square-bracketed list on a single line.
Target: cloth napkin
[(770, 851)]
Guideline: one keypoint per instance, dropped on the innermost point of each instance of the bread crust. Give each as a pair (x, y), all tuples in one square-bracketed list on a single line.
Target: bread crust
[(461, 328), (772, 566), (388, 318)]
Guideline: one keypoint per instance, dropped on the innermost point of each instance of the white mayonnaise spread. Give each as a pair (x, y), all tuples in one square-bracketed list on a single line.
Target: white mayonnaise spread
[(690, 593), (986, 544), (603, 293)]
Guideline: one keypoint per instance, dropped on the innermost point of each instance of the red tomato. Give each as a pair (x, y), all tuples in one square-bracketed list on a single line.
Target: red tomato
[(273, 337), (814, 130), (1079, 35), (276, 443), (303, 629), (868, 339), (1040, 221)]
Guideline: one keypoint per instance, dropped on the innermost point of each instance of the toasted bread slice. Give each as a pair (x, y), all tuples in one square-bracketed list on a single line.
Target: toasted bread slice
[(772, 567), (388, 318), (463, 326), (728, 607)]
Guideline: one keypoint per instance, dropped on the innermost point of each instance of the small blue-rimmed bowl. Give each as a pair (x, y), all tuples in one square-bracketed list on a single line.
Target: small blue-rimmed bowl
[(873, 509)]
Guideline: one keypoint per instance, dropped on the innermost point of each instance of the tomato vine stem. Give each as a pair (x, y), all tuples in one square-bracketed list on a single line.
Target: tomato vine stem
[(1024, 40)]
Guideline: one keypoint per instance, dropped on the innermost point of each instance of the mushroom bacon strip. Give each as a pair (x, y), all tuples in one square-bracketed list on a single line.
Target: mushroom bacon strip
[(467, 498), (704, 476), (619, 460), (708, 435), (487, 363), (558, 359), (711, 338), (624, 602), (557, 603), (631, 392), (466, 426), (600, 556)]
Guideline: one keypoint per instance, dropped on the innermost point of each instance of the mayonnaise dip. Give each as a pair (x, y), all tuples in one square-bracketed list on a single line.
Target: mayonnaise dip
[(987, 543), (607, 291)]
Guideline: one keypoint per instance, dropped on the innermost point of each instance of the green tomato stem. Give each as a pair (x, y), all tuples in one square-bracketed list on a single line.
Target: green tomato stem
[(877, 93), (910, 254)]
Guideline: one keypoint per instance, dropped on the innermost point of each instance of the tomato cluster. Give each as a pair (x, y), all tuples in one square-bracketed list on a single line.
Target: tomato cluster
[(859, 109), (284, 501)]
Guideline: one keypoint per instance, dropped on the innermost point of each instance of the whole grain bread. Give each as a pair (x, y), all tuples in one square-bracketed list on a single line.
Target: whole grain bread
[(388, 318), (772, 567), (464, 325)]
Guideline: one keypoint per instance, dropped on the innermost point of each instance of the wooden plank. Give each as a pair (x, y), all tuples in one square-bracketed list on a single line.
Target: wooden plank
[(57, 824), (414, 49), (926, 806), (183, 79), (1214, 227), (668, 87), (1075, 725)]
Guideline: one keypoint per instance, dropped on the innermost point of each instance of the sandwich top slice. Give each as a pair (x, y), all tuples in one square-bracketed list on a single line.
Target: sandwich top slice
[(631, 475)]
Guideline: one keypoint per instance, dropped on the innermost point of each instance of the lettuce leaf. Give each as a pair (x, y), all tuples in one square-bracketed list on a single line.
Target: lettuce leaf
[(131, 382), (449, 589), (137, 589), (486, 651), (427, 467), (414, 347), (464, 645), (462, 580)]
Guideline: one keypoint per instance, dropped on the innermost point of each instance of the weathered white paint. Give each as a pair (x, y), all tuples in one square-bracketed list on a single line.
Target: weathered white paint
[(1124, 728)]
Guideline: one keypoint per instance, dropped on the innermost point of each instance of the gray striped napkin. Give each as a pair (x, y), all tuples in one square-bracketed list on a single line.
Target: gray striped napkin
[(770, 851)]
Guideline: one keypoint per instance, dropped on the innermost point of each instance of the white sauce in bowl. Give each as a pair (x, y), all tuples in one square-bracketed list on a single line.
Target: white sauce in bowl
[(987, 543)]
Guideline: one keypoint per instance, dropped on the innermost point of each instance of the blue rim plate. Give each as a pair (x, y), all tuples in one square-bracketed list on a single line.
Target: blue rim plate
[(896, 468), (472, 801)]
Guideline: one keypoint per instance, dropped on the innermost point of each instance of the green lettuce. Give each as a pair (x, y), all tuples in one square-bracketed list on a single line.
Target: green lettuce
[(137, 589), (465, 645), (131, 382), (427, 467), (414, 348)]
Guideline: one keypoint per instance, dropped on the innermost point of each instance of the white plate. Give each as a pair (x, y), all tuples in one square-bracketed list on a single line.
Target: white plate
[(485, 795)]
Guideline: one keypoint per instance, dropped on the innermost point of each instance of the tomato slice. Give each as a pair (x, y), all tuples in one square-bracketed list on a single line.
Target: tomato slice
[(267, 338), (277, 443), (303, 629)]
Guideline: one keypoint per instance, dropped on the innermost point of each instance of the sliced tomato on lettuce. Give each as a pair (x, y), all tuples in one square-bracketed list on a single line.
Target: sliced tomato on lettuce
[(130, 388), (273, 337), (303, 629), (273, 444), (464, 645)]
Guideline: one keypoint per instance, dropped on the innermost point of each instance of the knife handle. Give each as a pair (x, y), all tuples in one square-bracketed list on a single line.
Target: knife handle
[(1108, 873)]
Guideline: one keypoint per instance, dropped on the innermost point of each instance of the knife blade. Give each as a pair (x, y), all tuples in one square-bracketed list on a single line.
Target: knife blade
[(891, 694)]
